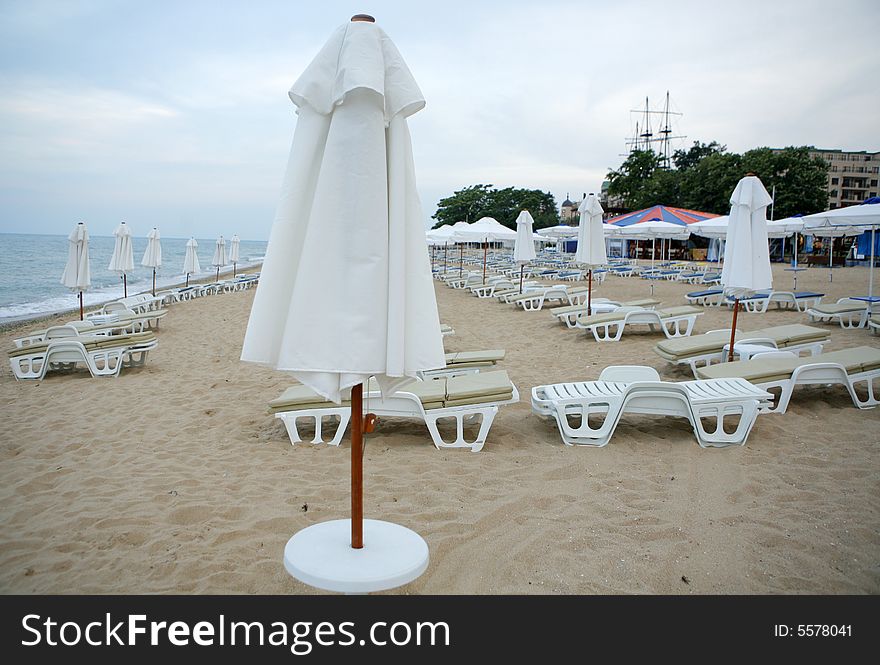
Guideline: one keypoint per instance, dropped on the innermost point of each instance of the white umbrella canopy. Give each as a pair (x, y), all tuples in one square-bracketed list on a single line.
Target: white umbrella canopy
[(153, 254), (191, 259), (524, 248), (591, 242), (591, 236), (219, 259), (77, 275), (485, 229), (122, 260), (653, 230), (352, 144), (714, 227), (560, 231), (747, 250), (783, 228), (234, 251), (862, 216)]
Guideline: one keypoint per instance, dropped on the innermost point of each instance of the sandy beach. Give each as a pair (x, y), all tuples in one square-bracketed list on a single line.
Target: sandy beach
[(174, 478)]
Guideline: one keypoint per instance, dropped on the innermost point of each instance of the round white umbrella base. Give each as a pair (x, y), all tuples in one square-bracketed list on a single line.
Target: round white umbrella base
[(321, 556)]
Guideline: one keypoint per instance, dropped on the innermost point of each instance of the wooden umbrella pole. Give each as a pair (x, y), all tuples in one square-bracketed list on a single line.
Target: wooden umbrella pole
[(233, 270), (521, 269), (154, 282), (357, 467), (124, 286), (460, 259), (187, 280), (485, 252), (590, 292), (445, 258), (81, 317), (733, 330), (217, 278)]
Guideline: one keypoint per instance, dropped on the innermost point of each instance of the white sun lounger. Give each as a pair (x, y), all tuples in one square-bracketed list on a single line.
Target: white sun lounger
[(874, 324), (636, 389), (794, 300), (489, 289), (701, 350), (673, 321), (464, 399), (570, 313), (466, 362), (784, 370), (446, 329), (103, 355), (848, 313), (706, 298), (533, 299)]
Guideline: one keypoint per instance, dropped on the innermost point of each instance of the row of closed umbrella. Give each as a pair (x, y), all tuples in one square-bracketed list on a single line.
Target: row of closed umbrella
[(77, 272)]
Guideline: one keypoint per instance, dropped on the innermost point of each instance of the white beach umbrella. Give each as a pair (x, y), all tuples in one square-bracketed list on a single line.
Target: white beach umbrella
[(77, 275), (345, 291), (864, 216), (591, 242), (234, 251), (153, 254), (122, 260), (524, 247), (219, 260), (714, 227), (747, 250), (484, 230), (191, 259)]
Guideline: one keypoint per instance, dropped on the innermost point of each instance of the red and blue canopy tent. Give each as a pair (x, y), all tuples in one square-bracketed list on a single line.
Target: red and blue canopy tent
[(680, 216)]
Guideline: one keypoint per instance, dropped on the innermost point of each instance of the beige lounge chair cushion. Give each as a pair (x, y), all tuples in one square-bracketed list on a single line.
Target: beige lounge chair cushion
[(762, 370), (838, 308), (787, 335), (643, 302), (478, 388), (474, 358), (680, 310), (485, 387)]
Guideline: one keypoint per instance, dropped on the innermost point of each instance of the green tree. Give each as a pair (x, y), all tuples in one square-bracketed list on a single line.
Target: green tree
[(632, 181), (471, 203), (687, 159), (800, 181)]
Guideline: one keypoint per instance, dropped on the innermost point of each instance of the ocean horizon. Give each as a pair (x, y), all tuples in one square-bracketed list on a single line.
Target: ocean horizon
[(31, 266)]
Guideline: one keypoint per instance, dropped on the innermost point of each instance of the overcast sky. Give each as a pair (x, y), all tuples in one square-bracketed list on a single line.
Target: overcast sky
[(175, 113)]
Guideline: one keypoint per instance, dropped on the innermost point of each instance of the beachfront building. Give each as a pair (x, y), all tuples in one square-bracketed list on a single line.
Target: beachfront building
[(852, 175), (613, 205)]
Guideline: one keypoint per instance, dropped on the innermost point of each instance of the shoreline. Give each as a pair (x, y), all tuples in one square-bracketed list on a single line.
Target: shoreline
[(12, 323)]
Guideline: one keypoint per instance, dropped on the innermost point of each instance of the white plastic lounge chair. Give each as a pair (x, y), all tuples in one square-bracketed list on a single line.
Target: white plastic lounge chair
[(103, 355), (848, 313), (533, 299), (446, 329), (800, 301), (707, 349), (784, 370), (465, 399), (113, 325), (569, 314), (636, 389), (673, 321), (874, 324), (489, 289)]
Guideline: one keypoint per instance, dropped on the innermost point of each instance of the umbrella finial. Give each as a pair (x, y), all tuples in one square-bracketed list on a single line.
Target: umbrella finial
[(366, 18)]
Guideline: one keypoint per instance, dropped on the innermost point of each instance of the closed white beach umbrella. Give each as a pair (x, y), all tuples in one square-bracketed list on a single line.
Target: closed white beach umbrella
[(219, 260), (346, 291), (153, 254), (591, 242), (122, 260), (77, 276), (191, 259), (524, 246), (747, 252), (234, 251)]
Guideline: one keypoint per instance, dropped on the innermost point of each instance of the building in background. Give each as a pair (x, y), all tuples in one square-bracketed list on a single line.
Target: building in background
[(852, 175)]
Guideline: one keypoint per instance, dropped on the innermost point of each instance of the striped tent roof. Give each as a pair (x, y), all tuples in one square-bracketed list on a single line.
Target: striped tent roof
[(679, 216)]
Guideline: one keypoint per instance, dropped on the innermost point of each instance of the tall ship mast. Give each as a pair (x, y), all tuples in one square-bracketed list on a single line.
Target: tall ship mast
[(659, 141)]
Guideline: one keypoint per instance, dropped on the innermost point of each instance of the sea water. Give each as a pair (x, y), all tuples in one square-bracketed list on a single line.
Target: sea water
[(31, 268)]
